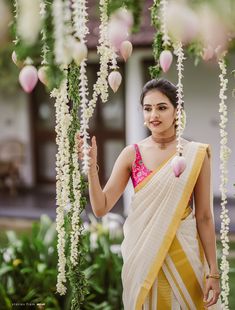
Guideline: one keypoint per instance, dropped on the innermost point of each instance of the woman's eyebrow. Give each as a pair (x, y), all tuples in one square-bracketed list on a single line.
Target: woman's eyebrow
[(150, 105)]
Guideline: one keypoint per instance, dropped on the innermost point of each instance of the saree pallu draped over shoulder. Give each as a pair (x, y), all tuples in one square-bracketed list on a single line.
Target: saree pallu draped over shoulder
[(163, 261)]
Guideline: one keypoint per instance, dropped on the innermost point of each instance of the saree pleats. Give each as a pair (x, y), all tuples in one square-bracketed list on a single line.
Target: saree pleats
[(164, 263)]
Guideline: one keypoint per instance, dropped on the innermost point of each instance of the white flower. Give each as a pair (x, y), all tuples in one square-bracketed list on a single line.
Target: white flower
[(164, 30), (63, 120), (93, 240), (116, 249), (178, 50), (224, 155)]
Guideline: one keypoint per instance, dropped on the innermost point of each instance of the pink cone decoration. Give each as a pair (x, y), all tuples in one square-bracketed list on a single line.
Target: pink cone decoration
[(42, 75), (117, 33), (126, 49), (79, 52), (124, 16), (208, 53), (178, 164), (166, 59), (28, 78), (114, 80)]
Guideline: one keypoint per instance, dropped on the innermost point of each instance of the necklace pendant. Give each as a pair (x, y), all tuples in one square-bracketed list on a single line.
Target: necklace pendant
[(162, 146)]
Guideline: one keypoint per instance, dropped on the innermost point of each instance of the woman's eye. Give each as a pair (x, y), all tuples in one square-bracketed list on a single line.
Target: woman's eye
[(147, 109), (162, 108)]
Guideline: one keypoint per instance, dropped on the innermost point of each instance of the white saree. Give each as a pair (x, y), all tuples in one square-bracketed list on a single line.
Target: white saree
[(164, 263)]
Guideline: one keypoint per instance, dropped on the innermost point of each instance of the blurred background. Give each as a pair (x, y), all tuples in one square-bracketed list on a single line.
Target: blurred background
[(27, 135)]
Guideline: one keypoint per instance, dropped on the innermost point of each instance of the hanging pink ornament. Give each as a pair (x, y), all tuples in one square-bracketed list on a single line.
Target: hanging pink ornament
[(124, 16), (213, 29), (42, 75), (79, 52), (166, 59), (117, 33), (178, 164), (28, 78), (114, 80), (126, 49), (208, 53)]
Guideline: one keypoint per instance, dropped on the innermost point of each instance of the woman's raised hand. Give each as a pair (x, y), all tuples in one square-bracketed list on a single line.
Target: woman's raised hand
[(92, 150)]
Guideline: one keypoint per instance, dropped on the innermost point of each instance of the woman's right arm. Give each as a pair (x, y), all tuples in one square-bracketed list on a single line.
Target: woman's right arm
[(103, 200)]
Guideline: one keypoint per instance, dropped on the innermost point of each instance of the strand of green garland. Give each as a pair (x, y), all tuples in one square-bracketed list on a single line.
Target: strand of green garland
[(54, 73), (77, 279), (155, 71)]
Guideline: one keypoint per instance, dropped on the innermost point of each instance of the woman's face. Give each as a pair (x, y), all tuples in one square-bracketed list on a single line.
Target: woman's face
[(159, 112)]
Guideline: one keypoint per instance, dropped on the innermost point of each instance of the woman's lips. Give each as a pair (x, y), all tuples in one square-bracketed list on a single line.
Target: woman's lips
[(155, 123)]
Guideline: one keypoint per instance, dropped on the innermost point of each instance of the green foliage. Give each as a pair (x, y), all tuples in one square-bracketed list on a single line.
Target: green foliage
[(76, 276), (8, 71), (135, 6), (155, 71), (195, 50), (54, 73), (28, 269)]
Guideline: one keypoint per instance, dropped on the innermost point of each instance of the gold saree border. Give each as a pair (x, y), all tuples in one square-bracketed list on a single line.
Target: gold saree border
[(170, 234)]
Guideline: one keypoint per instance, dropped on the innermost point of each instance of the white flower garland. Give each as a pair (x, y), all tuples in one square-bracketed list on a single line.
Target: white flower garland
[(16, 11), (165, 35), (58, 20), (75, 233), (45, 48), (100, 88), (80, 18), (62, 31), (63, 121), (179, 52), (224, 155)]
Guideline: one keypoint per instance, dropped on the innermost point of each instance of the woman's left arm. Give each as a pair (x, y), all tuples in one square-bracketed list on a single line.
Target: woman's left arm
[(206, 227)]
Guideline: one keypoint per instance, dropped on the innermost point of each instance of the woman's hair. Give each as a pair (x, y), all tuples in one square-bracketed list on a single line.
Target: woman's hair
[(164, 86)]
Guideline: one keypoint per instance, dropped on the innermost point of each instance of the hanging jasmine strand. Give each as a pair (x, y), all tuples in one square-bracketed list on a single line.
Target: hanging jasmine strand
[(178, 163), (101, 86), (180, 67), (224, 155), (63, 121), (165, 36)]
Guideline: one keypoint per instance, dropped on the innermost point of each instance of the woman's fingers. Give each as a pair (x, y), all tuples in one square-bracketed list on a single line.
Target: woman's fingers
[(214, 299)]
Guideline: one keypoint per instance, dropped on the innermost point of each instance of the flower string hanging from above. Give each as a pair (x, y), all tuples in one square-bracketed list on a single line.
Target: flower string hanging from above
[(110, 43), (165, 60), (166, 56), (224, 156), (178, 163)]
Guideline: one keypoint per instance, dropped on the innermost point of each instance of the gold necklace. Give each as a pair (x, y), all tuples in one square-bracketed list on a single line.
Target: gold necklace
[(163, 141)]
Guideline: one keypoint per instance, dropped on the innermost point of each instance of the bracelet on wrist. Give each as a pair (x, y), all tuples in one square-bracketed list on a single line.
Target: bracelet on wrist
[(213, 275)]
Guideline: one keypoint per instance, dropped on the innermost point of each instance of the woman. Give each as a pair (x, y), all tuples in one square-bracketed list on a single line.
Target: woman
[(169, 238)]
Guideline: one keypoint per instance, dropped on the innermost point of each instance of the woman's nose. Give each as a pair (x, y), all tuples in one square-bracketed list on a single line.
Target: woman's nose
[(155, 113)]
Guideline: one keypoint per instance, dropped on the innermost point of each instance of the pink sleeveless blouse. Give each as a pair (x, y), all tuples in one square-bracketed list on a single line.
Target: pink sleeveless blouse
[(139, 171)]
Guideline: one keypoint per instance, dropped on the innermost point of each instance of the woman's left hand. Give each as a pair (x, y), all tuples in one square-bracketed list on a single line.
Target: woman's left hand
[(214, 285)]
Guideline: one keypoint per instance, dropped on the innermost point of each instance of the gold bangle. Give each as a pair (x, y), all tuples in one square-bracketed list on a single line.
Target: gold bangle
[(214, 276)]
